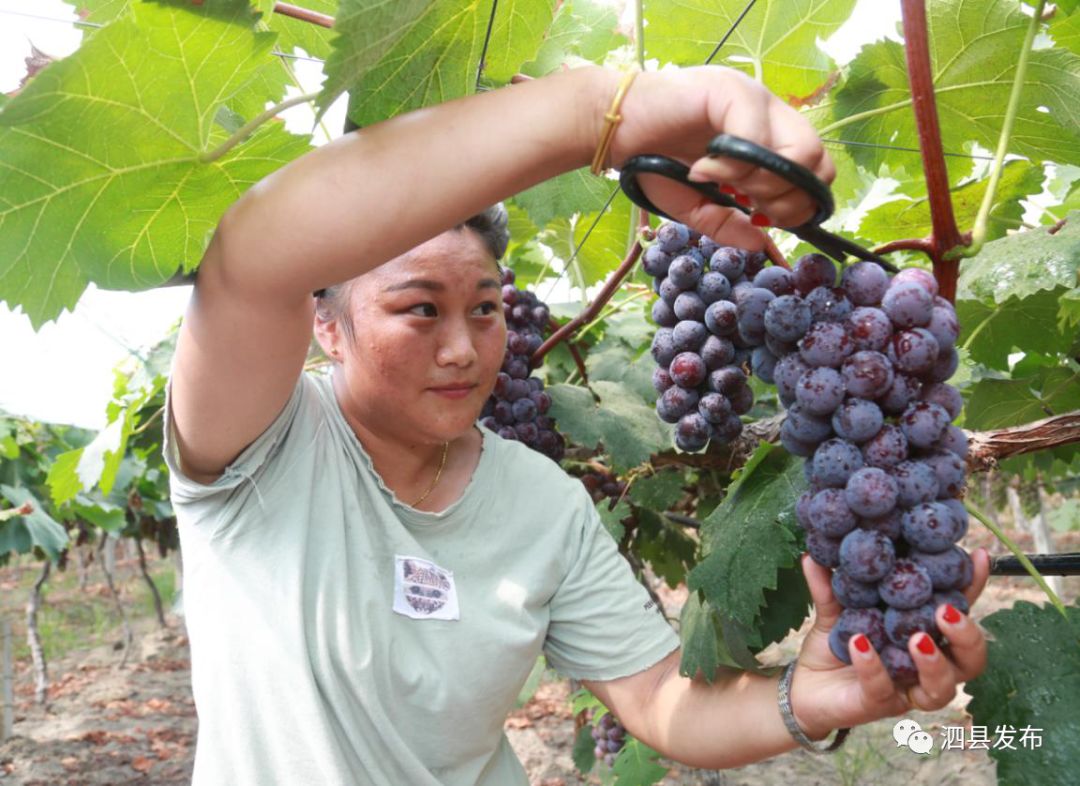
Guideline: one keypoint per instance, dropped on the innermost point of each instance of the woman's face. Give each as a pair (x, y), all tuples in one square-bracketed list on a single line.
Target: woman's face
[(429, 340)]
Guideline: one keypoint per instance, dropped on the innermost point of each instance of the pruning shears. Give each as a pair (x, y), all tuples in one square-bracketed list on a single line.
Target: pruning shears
[(837, 247)]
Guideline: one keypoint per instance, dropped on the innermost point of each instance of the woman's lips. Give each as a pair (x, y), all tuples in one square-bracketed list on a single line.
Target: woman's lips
[(453, 391)]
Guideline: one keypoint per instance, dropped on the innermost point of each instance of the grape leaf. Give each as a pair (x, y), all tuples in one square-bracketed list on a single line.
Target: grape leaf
[(36, 529), (744, 541), (973, 59), (578, 191), (78, 207), (432, 54), (992, 332), (1032, 681), (628, 429), (584, 752), (581, 29), (612, 518), (665, 546), (1000, 403), (786, 608), (636, 765), (1023, 264), (658, 492), (611, 360), (775, 43), (1065, 31), (911, 218)]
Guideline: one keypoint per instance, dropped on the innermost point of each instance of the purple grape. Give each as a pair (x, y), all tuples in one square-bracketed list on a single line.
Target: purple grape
[(763, 364), (777, 280), (542, 401), (960, 515), (802, 509), (866, 555), (857, 420), (806, 427), (792, 444), (950, 471), (867, 374), (869, 622), (727, 380), (870, 492), (820, 391), (944, 326), (951, 569), (902, 624), (786, 376), (692, 432), (825, 344), (889, 524), (854, 594), (742, 399), (685, 271), (688, 336), (919, 276), (823, 550), (904, 390), (906, 586), (671, 236), (729, 430), (527, 433), (714, 407), (502, 385), (687, 369), (751, 313), (689, 305), (945, 396), (923, 423), (508, 432), (707, 246), (713, 287), (661, 379), (955, 441), (915, 482), (948, 360), (869, 329), (675, 402), (524, 410), (517, 366), (663, 346), (829, 304), (913, 351), (655, 261), (780, 348), (517, 343), (886, 449), (812, 271), (788, 317), (668, 291), (503, 412), (834, 462), (739, 291), (729, 261), (864, 283), (663, 315), (930, 527), (829, 513), (755, 263), (721, 318), (899, 664), (954, 598), (717, 352), (907, 304)]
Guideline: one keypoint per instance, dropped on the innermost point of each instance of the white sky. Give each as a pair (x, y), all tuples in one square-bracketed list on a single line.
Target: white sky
[(64, 373)]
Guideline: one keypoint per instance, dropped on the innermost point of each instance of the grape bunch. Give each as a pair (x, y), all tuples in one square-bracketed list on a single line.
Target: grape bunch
[(518, 406), (604, 486), (709, 331), (869, 407), (609, 736)]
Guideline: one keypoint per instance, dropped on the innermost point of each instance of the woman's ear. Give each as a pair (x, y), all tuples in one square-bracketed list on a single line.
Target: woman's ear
[(329, 335)]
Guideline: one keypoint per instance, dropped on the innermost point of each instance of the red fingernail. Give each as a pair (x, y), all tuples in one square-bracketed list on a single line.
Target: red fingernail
[(925, 645), (727, 190), (951, 615), (760, 220), (862, 644), (743, 200)]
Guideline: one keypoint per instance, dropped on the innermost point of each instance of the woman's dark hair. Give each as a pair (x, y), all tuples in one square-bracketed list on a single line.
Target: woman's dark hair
[(492, 225)]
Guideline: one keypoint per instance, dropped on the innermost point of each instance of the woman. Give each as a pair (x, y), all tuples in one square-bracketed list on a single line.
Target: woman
[(369, 575)]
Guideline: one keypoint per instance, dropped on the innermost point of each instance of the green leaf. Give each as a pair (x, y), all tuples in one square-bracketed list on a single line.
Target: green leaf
[(746, 544), (628, 429), (990, 333), (702, 648), (775, 43), (77, 207), (517, 35), (101, 514), (294, 34), (1032, 680), (665, 546), (973, 59), (584, 752), (36, 529), (1000, 403), (637, 765), (578, 191), (658, 492), (1023, 264), (63, 477), (613, 361), (786, 608), (911, 218), (1066, 517), (583, 29), (612, 518)]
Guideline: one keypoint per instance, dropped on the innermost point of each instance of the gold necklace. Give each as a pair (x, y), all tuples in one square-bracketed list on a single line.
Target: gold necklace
[(438, 474)]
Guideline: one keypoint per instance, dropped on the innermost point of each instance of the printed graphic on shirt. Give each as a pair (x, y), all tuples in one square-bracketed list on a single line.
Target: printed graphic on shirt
[(423, 590)]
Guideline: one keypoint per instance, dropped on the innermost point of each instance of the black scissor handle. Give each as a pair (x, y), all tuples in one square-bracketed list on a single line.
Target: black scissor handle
[(673, 170)]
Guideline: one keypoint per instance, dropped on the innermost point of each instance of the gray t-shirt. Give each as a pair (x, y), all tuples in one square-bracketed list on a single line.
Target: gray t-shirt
[(339, 636)]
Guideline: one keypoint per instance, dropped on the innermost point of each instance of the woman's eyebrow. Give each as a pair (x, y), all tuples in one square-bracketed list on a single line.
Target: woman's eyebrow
[(437, 286)]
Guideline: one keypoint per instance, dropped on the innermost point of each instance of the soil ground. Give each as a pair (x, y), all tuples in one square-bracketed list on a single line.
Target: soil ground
[(107, 724)]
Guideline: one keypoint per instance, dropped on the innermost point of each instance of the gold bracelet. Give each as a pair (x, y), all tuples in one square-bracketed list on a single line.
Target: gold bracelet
[(611, 120)]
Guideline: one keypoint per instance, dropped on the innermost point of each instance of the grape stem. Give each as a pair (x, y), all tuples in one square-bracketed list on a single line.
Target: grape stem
[(303, 14), (248, 128), (982, 219), (1011, 546), (575, 353)]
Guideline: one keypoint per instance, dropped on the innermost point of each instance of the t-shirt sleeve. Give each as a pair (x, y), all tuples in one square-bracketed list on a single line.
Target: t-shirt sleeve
[(213, 506), (603, 623)]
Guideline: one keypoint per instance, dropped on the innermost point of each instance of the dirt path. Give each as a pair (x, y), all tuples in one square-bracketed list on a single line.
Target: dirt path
[(136, 725)]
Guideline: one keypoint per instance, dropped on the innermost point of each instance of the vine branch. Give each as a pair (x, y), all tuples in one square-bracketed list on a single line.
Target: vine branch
[(244, 131), (303, 14)]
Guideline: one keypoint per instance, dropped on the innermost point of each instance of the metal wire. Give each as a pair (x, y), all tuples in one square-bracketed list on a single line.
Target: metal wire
[(853, 143), (728, 34), (487, 40)]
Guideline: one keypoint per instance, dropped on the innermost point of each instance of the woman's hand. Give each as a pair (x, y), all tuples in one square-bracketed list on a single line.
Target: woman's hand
[(826, 694), (677, 113)]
